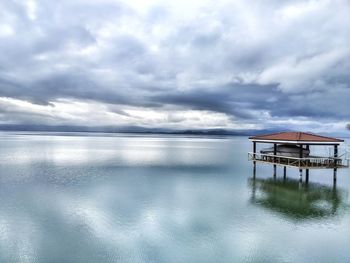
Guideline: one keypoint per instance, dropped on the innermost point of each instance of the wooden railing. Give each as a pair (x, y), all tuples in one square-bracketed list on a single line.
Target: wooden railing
[(309, 162)]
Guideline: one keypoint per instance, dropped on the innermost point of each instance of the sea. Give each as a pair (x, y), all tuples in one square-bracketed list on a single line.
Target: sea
[(86, 197)]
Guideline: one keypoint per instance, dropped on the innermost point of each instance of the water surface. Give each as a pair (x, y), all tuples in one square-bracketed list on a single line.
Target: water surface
[(167, 199)]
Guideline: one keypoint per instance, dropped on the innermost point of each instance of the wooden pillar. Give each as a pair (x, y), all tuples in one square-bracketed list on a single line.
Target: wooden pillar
[(335, 151), (335, 163), (308, 149), (285, 172), (254, 162), (300, 169), (335, 154), (301, 151), (307, 170), (274, 160), (254, 152)]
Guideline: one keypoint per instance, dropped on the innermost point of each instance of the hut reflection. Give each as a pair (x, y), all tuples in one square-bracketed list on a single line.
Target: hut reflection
[(295, 200)]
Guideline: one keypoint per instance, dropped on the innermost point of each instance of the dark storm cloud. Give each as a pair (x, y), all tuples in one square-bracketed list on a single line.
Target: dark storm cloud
[(235, 99), (278, 59), (241, 100)]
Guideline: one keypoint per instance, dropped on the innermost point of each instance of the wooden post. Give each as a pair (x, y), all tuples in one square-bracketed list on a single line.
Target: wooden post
[(285, 172), (335, 155), (335, 151), (301, 151), (274, 159), (335, 163), (300, 170), (254, 157), (308, 162), (307, 170)]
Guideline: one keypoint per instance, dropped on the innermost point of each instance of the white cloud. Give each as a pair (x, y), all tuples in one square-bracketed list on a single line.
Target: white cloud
[(89, 113), (129, 53), (307, 73)]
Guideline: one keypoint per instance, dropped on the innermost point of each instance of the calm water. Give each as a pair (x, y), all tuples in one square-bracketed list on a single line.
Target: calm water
[(162, 199)]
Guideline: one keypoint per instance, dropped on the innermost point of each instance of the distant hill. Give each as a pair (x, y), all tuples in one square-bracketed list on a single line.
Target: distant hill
[(144, 130), (130, 129)]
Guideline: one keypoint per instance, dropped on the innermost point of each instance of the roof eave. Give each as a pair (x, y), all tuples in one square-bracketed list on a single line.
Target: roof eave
[(296, 141)]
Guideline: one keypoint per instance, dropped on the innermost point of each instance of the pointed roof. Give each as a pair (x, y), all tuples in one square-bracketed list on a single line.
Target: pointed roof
[(296, 137)]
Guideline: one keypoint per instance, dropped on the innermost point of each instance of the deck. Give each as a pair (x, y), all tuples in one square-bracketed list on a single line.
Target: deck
[(312, 162)]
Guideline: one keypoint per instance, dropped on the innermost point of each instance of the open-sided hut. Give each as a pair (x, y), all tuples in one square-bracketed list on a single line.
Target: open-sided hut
[(292, 149)]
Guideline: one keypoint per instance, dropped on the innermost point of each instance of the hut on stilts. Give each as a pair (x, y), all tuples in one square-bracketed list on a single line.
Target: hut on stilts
[(292, 149)]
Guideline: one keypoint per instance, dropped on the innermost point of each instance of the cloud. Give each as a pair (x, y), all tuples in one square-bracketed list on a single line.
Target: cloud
[(244, 63)]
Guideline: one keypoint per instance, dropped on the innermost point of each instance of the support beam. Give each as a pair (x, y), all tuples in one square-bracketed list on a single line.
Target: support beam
[(335, 151), (335, 169), (254, 171), (307, 176), (335, 154), (308, 162), (274, 159), (254, 147), (254, 157), (285, 172), (301, 151), (300, 170)]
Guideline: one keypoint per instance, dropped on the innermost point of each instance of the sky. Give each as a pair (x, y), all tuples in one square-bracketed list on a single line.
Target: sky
[(197, 64)]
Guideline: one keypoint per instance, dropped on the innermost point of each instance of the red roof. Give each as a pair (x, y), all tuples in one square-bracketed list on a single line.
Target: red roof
[(296, 136)]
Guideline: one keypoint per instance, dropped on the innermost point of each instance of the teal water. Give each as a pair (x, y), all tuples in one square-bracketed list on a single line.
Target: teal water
[(168, 199)]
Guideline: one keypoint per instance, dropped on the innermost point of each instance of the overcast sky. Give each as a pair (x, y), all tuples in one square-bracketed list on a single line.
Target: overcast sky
[(182, 64)]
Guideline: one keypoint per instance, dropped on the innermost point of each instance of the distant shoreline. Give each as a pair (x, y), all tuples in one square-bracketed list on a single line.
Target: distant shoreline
[(195, 133), (131, 130)]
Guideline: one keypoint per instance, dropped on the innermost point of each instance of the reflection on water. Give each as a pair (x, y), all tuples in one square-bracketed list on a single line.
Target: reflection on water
[(296, 200)]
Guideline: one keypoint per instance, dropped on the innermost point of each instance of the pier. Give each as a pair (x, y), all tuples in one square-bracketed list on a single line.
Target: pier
[(292, 149)]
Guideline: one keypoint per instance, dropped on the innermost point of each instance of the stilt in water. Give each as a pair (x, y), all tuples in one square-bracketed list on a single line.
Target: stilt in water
[(307, 176), (254, 171), (274, 160), (285, 172), (334, 186), (335, 160)]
